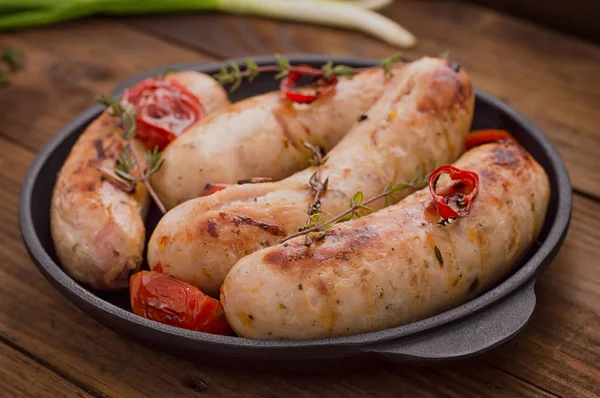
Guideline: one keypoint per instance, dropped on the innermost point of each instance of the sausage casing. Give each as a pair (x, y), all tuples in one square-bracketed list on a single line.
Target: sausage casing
[(420, 120), (382, 270), (261, 137), (98, 230)]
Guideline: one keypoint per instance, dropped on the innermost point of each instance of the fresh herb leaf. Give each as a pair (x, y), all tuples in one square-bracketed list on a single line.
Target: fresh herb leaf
[(314, 230), (237, 77), (124, 175), (251, 69), (284, 66), (387, 63)]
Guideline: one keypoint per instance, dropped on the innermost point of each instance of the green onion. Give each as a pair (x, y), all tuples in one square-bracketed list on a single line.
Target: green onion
[(353, 15)]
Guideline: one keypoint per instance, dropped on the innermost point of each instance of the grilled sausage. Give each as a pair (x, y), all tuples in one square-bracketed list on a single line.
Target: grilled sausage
[(261, 137), (98, 229), (382, 270), (421, 119)]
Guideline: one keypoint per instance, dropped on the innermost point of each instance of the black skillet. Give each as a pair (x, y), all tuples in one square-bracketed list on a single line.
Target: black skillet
[(472, 328)]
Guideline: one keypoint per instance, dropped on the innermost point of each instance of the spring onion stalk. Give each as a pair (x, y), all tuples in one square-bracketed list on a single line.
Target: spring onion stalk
[(368, 4), (328, 13)]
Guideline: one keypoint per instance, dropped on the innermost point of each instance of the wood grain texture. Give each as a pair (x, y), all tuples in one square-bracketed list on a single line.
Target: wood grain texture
[(22, 377), (577, 17), (67, 66), (552, 78)]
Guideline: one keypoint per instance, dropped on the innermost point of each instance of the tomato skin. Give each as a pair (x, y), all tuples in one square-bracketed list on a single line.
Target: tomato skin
[(164, 109), (167, 300), (479, 137)]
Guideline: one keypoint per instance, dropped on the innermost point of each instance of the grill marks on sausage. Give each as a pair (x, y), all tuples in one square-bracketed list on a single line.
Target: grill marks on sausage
[(211, 227), (239, 220), (504, 156), (447, 89), (511, 155), (100, 154), (102, 147), (474, 285), (337, 246)]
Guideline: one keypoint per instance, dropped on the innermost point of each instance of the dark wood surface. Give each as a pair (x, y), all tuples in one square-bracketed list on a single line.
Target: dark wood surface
[(49, 348), (576, 17)]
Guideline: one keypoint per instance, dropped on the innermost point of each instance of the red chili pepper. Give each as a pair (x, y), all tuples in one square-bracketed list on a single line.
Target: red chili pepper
[(463, 202), (164, 109), (288, 84), (212, 188), (475, 138)]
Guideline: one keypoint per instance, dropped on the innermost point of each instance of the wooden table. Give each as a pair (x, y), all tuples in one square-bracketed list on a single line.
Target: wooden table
[(48, 348)]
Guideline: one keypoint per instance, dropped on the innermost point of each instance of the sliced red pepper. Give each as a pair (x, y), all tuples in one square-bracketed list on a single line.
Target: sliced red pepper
[(164, 109), (324, 86), (173, 302), (212, 188), (470, 184), (479, 137)]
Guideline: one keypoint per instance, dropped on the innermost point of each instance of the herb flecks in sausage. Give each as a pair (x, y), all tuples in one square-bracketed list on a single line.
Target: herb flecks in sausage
[(438, 255)]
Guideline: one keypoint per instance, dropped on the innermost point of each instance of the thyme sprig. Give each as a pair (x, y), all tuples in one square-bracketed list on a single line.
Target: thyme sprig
[(234, 75), (129, 159), (319, 226), (319, 187)]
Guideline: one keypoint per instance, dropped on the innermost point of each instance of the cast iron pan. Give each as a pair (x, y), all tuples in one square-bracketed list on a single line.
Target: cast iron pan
[(472, 328)]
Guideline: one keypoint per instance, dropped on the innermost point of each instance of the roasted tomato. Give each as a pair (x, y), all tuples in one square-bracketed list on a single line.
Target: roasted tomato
[(479, 137), (167, 300), (164, 109)]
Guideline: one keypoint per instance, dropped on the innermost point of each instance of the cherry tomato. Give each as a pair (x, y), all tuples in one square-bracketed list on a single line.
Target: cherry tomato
[(479, 137), (164, 109), (167, 300)]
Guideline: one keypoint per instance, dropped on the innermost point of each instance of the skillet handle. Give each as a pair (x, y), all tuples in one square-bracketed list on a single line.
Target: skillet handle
[(467, 337)]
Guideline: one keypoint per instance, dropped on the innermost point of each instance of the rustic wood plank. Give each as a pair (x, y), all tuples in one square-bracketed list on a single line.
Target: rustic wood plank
[(554, 79), (21, 376), (561, 349), (576, 17), (67, 66), (36, 318)]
